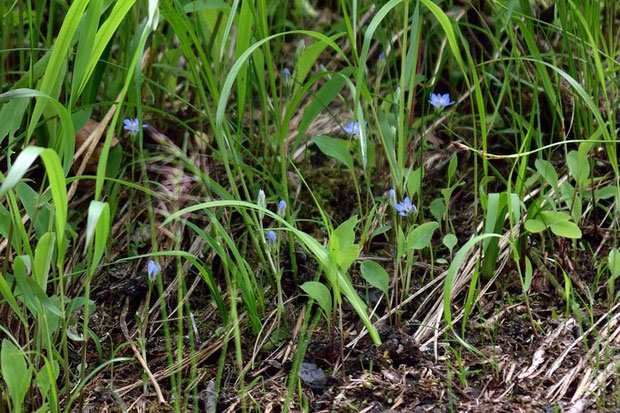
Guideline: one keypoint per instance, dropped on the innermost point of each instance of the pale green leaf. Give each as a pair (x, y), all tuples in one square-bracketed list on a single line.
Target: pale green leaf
[(375, 275), (320, 293), (566, 229), (16, 373), (334, 149), (421, 236)]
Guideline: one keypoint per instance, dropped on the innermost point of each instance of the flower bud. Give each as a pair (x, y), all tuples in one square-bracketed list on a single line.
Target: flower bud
[(282, 208), (261, 202)]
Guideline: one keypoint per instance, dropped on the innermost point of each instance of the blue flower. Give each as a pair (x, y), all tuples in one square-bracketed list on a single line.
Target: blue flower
[(405, 207), (271, 238), (261, 202), (152, 268), (440, 101), (287, 77), (353, 128), (133, 126), (381, 60), (282, 208), (392, 197)]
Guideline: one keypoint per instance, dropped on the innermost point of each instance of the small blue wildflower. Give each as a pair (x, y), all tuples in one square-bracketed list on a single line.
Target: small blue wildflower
[(392, 197), (271, 238), (287, 78), (381, 60), (353, 128), (282, 208), (405, 207), (440, 101), (261, 202), (132, 125), (152, 268)]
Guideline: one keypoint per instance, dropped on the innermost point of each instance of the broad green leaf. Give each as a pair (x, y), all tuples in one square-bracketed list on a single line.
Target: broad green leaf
[(375, 275), (347, 257), (16, 373), (414, 181), (534, 226), (553, 217), (437, 208), (566, 229), (322, 99), (547, 171), (334, 149), (450, 241), (346, 233), (421, 236), (380, 230), (605, 192), (579, 167), (320, 293), (447, 193)]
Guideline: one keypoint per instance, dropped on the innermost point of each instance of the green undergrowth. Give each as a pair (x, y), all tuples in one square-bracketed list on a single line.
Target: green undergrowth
[(266, 175)]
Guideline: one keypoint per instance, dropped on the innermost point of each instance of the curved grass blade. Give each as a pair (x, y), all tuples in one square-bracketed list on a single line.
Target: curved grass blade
[(57, 185), (312, 245)]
